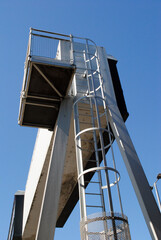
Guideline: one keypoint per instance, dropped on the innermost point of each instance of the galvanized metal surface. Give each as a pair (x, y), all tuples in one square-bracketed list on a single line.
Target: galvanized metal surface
[(47, 218), (95, 225)]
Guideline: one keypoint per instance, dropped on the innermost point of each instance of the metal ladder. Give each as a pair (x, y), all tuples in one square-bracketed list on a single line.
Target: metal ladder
[(91, 122)]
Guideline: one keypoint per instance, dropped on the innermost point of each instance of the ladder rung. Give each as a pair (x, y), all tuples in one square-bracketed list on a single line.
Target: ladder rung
[(94, 206), (94, 56), (91, 75), (93, 182), (93, 194)]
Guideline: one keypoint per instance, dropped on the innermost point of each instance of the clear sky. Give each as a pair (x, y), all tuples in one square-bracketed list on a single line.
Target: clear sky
[(130, 31)]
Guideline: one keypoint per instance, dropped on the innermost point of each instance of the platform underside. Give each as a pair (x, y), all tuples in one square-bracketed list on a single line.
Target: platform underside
[(46, 83)]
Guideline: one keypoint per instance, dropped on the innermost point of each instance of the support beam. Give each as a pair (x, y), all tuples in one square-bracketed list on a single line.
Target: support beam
[(48, 214), (136, 173), (48, 81)]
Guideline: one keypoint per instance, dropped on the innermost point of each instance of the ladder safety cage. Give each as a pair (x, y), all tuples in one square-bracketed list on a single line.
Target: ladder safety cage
[(57, 66), (90, 121)]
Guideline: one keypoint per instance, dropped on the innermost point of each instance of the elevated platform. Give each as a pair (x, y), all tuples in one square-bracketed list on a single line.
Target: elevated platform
[(46, 82)]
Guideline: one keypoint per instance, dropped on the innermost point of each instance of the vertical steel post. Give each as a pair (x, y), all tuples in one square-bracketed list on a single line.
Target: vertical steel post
[(102, 147), (79, 166)]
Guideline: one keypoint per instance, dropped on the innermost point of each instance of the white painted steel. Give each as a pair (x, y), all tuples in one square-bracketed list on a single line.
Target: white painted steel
[(136, 173), (38, 159), (49, 207)]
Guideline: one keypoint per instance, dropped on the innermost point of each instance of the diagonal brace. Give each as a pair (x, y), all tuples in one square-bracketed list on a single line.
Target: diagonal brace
[(47, 80)]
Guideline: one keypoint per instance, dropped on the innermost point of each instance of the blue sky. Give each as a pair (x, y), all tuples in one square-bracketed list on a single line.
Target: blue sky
[(130, 31)]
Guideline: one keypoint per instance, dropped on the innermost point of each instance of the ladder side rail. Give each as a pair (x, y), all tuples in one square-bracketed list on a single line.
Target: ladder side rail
[(78, 142)]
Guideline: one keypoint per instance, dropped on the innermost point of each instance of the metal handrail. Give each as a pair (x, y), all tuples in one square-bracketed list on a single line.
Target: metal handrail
[(59, 34)]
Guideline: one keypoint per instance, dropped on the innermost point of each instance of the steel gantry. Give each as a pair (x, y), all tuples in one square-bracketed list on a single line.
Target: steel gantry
[(71, 87)]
